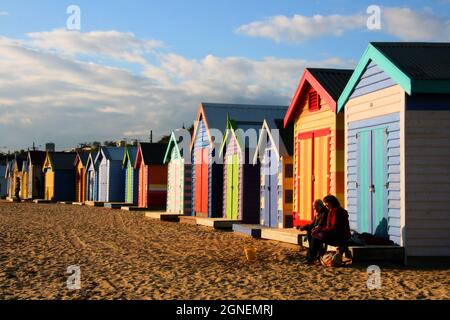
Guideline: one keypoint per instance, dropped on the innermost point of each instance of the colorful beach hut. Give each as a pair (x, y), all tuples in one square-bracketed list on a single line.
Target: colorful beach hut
[(152, 175), (131, 175), (275, 153), (9, 174), (318, 139), (24, 180), (80, 176), (397, 138), (241, 178), (111, 176), (92, 177), (3, 182), (59, 176), (179, 186), (36, 183), (18, 176)]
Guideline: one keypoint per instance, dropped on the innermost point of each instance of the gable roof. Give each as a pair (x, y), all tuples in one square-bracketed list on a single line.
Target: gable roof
[(329, 84), (61, 160), (152, 153), (91, 159), (175, 138), (111, 153), (130, 154), (418, 67), (36, 158), (18, 163), (286, 138), (83, 157), (215, 115)]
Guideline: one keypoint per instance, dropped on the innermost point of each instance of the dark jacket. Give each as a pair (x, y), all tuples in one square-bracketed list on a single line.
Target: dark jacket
[(337, 225), (320, 220)]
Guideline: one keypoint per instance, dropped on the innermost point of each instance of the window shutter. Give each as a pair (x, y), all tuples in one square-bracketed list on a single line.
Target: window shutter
[(313, 100)]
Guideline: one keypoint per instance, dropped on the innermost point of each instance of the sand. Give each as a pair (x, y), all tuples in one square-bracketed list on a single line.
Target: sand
[(123, 255)]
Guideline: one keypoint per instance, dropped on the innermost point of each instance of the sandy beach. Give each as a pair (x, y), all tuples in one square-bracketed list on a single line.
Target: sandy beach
[(122, 255)]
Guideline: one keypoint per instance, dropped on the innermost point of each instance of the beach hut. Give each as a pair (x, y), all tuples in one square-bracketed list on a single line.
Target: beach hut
[(59, 176), (179, 186), (275, 153), (111, 176), (318, 139), (80, 176), (92, 177), (36, 182), (9, 174), (397, 139), (17, 175), (241, 178), (24, 180), (152, 175), (131, 175), (3, 182)]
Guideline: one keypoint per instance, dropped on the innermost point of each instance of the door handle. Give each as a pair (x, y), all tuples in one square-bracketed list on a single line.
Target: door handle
[(372, 188)]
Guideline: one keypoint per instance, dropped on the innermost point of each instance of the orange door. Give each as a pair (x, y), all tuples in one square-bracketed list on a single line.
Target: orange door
[(201, 181)]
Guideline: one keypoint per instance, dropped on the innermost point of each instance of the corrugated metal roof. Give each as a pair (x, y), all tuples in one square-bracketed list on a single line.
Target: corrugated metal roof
[(37, 157), (216, 114), (62, 160), (153, 153), (418, 60), (332, 80)]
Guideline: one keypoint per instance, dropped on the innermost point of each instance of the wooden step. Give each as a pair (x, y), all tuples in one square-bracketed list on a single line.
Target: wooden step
[(133, 208), (94, 203), (290, 235), (188, 220), (217, 223), (252, 230), (116, 205), (395, 254), (65, 202), (163, 216), (78, 203), (42, 201)]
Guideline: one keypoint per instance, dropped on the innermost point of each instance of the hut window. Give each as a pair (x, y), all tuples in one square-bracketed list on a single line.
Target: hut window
[(289, 196), (313, 100), (289, 171)]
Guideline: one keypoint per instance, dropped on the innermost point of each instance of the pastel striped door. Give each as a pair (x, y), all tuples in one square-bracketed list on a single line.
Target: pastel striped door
[(321, 166), (103, 183), (271, 190), (372, 178), (305, 196)]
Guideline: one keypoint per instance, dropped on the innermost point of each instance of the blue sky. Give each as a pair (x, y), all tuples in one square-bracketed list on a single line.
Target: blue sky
[(232, 51)]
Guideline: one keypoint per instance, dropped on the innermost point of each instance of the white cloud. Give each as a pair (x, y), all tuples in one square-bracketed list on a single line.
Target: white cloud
[(46, 94), (4, 13), (403, 23)]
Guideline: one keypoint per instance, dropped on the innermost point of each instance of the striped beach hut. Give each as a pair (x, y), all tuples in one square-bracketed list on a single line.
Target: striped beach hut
[(111, 176), (92, 177), (318, 139), (179, 186), (3, 182), (80, 166), (36, 183), (397, 138), (152, 175), (131, 175), (59, 176), (241, 178), (275, 153)]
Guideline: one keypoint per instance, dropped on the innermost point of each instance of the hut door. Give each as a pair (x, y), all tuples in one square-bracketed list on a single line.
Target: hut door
[(371, 185), (271, 189), (232, 187), (314, 171), (103, 186), (49, 185), (201, 181)]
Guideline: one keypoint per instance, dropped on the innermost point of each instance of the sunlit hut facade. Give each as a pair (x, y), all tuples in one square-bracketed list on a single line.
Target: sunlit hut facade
[(131, 175), (17, 178), (152, 175), (179, 186), (24, 180), (397, 138), (80, 176), (36, 183), (241, 197), (274, 151), (59, 176), (111, 176), (318, 139)]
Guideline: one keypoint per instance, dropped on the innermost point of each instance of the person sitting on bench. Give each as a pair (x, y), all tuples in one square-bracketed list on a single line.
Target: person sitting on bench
[(335, 233), (320, 219)]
